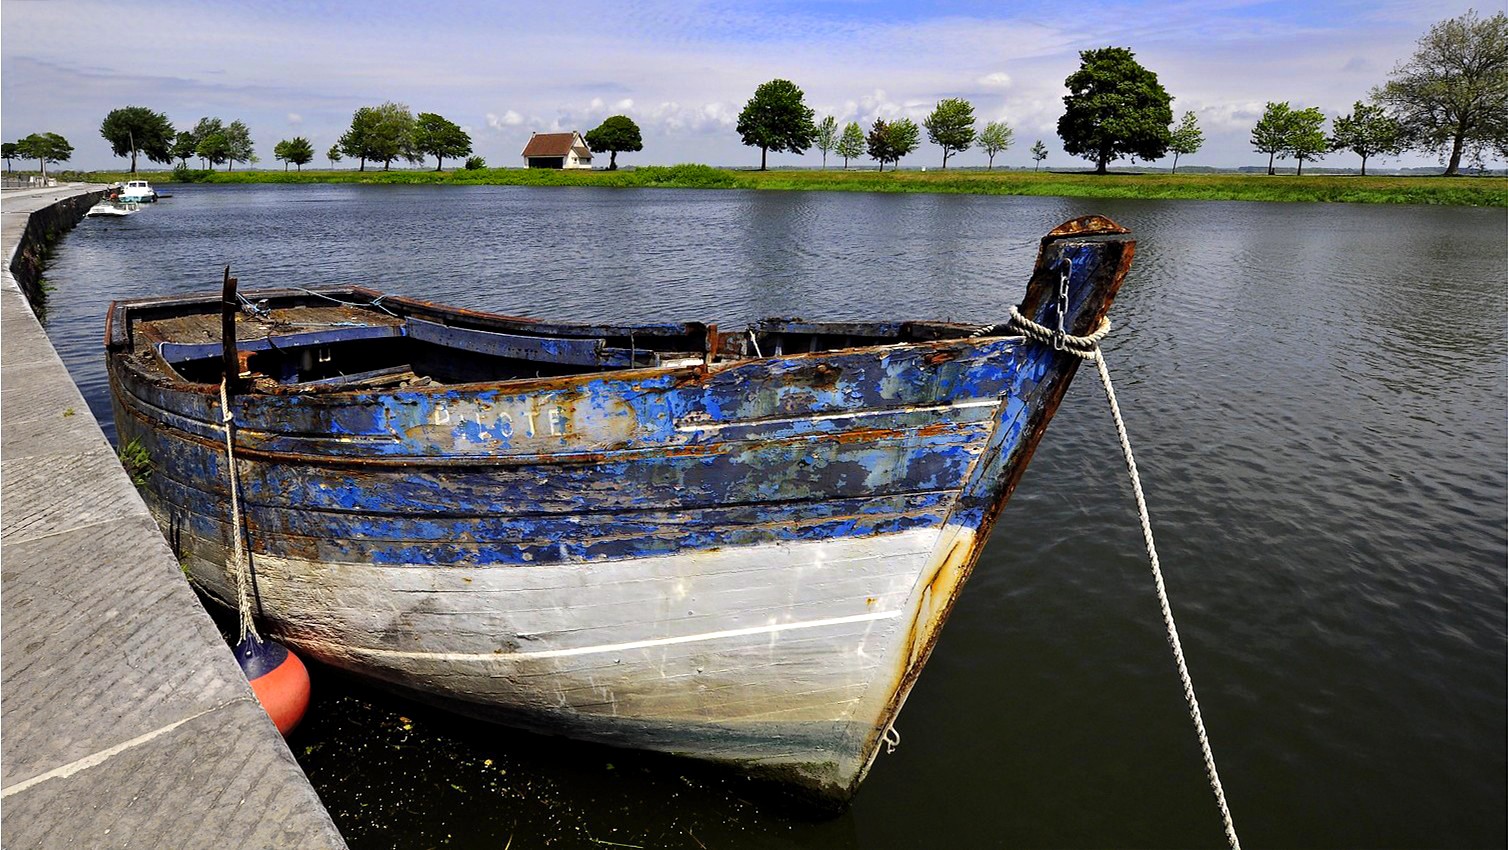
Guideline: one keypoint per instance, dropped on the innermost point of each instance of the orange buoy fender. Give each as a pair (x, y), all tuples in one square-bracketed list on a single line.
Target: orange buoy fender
[(278, 678)]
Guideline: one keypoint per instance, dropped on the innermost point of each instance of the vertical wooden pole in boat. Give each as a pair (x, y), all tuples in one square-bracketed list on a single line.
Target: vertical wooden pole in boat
[(713, 341), (228, 310)]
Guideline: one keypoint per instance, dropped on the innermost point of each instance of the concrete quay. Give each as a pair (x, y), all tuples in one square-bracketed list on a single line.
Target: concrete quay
[(124, 719)]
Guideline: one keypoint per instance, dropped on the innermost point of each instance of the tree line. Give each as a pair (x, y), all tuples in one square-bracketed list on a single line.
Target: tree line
[(1450, 98), (383, 133)]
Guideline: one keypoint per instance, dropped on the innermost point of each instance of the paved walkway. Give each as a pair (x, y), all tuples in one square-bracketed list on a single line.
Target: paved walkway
[(124, 720)]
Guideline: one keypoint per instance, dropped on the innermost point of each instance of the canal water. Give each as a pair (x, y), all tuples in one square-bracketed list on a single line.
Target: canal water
[(1319, 400)]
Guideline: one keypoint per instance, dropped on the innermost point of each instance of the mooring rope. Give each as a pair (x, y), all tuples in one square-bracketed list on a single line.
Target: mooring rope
[(242, 558), (1088, 348)]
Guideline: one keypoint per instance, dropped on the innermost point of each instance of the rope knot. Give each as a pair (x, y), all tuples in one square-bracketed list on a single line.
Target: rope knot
[(1086, 347)]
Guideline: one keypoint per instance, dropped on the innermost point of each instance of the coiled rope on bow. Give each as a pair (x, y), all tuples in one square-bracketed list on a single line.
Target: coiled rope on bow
[(241, 567), (1088, 348)]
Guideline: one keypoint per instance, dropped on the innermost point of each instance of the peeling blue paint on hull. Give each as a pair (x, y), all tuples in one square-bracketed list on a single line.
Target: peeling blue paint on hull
[(745, 560)]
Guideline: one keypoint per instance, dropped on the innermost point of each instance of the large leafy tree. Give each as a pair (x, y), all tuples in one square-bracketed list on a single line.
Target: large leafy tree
[(827, 136), (888, 142), (617, 134), (379, 133), (45, 148), (905, 138), (440, 138), (1273, 132), (1308, 141), (238, 146), (995, 138), (296, 150), (1187, 138), (203, 130), (1451, 95), (1114, 108), (877, 143), (1367, 131), (851, 143), (777, 119), (9, 151), (213, 148), (355, 142), (136, 129), (1039, 153), (183, 147), (951, 126)]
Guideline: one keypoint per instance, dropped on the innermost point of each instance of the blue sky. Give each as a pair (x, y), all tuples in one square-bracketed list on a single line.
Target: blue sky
[(682, 70)]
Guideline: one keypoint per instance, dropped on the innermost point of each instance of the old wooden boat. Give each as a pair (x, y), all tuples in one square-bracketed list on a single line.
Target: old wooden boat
[(734, 547)]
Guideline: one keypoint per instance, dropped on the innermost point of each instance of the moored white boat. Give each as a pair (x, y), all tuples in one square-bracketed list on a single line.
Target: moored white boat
[(138, 191), (113, 209)]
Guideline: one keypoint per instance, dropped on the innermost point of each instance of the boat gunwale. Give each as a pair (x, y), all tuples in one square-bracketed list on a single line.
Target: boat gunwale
[(154, 373)]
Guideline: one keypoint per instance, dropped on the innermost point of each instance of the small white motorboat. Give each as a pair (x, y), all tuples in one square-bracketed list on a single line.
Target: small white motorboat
[(113, 208), (139, 191)]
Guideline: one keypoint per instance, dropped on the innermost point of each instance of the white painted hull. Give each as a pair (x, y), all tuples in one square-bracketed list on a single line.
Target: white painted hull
[(784, 659)]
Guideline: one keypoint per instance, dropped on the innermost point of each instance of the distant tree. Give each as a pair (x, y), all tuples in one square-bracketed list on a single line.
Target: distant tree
[(1273, 133), (440, 138), (827, 137), (136, 129), (1308, 141), (1039, 153), (296, 150), (395, 133), (213, 149), (995, 139), (475, 163), (617, 134), (238, 147), (851, 144), (1187, 138), (45, 148), (877, 143), (333, 154), (356, 141), (889, 142), (183, 147), (379, 133), (777, 119), (9, 151), (1367, 131), (1114, 108), (204, 129), (951, 126), (1453, 92), (905, 138)]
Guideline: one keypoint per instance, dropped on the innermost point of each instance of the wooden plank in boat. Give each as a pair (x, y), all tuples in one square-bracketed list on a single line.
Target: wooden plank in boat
[(182, 352), (565, 351)]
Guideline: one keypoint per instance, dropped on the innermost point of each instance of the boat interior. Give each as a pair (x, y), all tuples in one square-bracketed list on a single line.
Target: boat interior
[(353, 338)]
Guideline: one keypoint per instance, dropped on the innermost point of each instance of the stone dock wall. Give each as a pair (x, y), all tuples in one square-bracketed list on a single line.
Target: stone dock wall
[(124, 719)]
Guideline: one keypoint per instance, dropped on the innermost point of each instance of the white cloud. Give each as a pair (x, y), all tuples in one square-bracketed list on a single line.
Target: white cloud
[(295, 118), (507, 119), (997, 80)]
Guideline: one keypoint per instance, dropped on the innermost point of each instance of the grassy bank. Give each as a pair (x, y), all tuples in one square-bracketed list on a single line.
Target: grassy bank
[(1454, 191)]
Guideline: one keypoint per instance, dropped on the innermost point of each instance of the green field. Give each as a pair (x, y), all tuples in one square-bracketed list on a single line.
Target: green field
[(1328, 188)]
